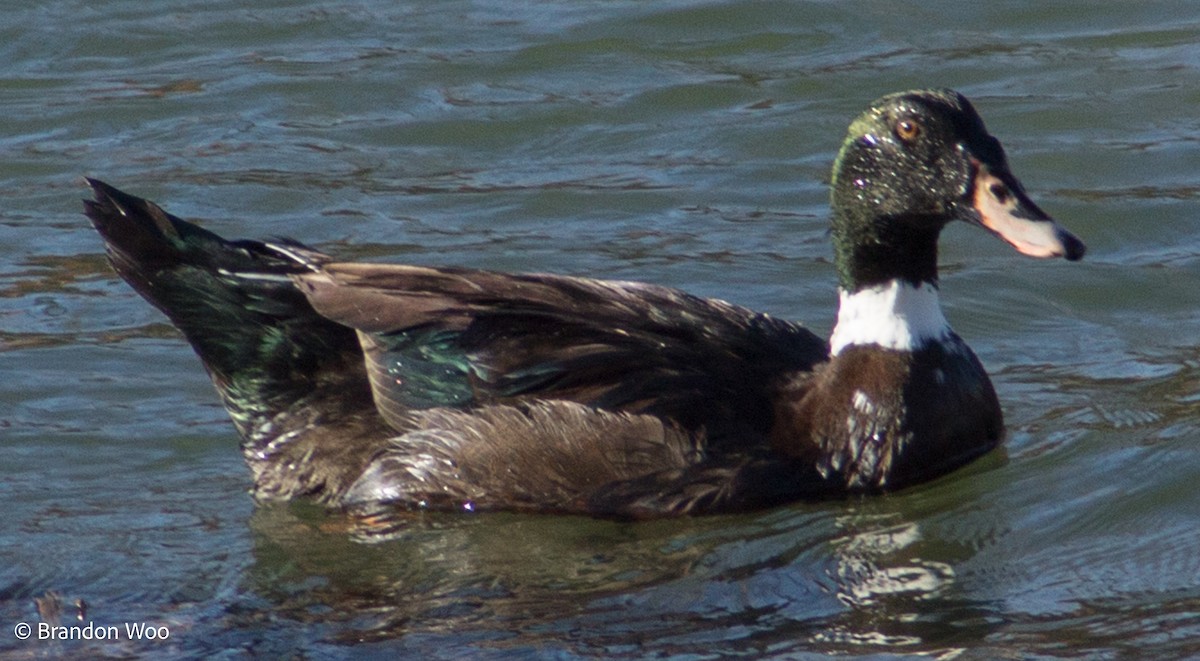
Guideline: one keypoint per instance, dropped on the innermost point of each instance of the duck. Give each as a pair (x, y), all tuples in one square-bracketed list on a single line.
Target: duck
[(408, 388)]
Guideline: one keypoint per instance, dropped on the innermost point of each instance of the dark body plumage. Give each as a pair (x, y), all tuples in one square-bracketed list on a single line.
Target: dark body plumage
[(406, 387)]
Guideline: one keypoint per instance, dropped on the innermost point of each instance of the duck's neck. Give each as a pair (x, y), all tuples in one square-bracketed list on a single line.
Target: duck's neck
[(895, 314)]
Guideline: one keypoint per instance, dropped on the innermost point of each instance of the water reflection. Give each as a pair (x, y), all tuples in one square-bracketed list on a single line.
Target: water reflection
[(863, 581), (833, 576)]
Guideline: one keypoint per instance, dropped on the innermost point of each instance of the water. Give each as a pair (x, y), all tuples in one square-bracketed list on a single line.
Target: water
[(683, 143)]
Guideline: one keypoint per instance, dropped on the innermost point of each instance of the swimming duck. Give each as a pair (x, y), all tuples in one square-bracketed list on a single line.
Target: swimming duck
[(409, 387)]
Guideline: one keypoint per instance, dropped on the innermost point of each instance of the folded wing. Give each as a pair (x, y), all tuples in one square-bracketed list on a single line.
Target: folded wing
[(461, 338)]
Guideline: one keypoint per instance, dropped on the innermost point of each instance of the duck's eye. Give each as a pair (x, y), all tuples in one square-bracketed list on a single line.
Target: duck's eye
[(907, 130)]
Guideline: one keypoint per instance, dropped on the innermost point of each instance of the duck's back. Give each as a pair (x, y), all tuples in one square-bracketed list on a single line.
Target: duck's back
[(465, 338)]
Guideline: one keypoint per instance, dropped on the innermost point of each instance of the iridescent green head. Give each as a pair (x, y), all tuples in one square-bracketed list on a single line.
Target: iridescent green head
[(913, 162)]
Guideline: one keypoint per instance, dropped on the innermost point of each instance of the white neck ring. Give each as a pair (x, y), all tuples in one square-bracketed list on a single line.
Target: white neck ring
[(895, 315)]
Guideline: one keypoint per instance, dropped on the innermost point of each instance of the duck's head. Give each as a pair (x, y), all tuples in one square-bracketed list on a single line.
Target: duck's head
[(912, 163)]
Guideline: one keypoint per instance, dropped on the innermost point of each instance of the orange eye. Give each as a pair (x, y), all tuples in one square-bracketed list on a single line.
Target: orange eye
[(907, 130)]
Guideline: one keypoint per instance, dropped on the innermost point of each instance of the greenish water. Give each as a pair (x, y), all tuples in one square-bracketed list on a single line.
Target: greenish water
[(683, 143)]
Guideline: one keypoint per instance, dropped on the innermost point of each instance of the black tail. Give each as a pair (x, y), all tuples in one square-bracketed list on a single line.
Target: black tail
[(265, 347)]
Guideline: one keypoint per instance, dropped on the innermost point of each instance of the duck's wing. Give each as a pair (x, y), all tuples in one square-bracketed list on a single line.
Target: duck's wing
[(462, 337)]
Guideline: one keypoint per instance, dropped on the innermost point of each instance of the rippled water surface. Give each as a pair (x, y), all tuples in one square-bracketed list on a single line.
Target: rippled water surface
[(683, 143)]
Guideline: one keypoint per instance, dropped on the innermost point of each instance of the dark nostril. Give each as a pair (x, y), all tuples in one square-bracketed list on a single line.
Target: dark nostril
[(1000, 192)]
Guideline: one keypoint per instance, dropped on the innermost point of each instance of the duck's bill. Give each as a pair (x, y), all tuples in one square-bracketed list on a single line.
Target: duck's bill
[(1007, 212)]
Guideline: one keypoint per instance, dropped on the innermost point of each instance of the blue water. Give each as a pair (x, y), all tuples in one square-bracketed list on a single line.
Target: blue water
[(682, 143)]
